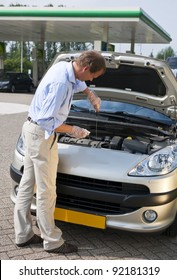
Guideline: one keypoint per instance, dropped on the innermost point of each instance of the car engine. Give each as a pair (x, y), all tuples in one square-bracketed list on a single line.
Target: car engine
[(136, 145)]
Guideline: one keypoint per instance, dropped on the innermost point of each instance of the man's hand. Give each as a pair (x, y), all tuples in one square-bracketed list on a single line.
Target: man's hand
[(94, 100), (78, 132)]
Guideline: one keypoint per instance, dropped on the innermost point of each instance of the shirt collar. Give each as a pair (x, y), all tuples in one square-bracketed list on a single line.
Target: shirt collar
[(70, 71)]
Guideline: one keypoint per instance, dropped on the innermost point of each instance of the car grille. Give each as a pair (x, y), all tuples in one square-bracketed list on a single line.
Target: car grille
[(94, 195)]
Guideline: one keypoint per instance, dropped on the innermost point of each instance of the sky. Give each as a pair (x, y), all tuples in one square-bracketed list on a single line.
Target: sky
[(161, 11)]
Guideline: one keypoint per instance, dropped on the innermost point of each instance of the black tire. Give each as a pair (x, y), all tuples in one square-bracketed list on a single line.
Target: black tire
[(172, 230), (13, 89), (31, 88)]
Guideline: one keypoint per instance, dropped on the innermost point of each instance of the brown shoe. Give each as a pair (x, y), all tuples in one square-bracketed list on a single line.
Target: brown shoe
[(33, 240), (65, 248)]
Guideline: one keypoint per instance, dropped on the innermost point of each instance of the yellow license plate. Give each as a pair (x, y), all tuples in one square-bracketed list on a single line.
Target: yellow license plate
[(80, 218)]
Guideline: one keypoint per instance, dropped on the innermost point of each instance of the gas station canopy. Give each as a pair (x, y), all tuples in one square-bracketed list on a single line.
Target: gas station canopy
[(121, 25)]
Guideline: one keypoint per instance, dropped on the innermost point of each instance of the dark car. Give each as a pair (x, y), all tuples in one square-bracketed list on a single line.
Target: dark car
[(16, 81)]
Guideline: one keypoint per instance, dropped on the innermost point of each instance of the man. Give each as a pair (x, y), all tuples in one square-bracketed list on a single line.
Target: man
[(47, 114)]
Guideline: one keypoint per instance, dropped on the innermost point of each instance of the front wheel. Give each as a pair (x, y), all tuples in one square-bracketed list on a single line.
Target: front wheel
[(12, 89), (31, 88)]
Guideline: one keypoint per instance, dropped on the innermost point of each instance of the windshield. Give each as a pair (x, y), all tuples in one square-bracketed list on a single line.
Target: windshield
[(125, 108), (6, 76)]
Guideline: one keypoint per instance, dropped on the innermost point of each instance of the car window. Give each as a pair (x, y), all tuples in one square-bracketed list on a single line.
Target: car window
[(7, 76), (24, 76)]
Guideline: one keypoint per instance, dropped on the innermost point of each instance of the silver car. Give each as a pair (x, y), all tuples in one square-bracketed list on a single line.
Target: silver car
[(124, 175)]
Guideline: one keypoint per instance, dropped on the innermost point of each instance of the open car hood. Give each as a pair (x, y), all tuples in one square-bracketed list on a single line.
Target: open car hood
[(135, 79)]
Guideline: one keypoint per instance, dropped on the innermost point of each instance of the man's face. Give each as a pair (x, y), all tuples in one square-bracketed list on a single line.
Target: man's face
[(86, 75)]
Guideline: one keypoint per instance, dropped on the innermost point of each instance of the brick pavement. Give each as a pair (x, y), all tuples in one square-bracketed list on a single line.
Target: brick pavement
[(94, 244)]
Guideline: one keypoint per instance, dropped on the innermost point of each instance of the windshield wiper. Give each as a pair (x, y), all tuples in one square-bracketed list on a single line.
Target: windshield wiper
[(122, 115), (80, 109), (131, 117)]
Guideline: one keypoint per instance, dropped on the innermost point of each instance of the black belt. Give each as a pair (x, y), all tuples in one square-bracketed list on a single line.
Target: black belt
[(30, 120)]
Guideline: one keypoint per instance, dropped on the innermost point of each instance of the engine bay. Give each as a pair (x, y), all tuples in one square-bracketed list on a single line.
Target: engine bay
[(135, 145), (139, 137)]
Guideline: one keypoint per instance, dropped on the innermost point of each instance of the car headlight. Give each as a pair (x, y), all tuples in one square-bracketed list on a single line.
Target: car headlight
[(20, 146), (5, 84), (160, 163)]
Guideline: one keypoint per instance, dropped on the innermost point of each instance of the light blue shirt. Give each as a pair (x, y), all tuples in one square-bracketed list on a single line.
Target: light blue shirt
[(52, 101)]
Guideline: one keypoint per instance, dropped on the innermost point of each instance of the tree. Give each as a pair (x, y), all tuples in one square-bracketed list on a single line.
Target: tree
[(73, 46), (17, 5), (12, 61), (164, 53), (51, 48)]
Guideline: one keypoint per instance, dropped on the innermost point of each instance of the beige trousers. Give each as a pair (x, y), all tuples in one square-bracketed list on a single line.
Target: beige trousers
[(40, 169)]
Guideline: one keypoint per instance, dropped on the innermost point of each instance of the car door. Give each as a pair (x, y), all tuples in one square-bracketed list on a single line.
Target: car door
[(22, 81)]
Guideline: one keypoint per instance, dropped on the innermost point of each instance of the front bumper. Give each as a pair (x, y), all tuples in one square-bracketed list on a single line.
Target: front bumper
[(4, 88), (137, 201), (165, 205)]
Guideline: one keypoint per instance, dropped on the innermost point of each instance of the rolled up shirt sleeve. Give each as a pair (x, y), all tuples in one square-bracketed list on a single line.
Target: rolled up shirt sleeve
[(80, 86)]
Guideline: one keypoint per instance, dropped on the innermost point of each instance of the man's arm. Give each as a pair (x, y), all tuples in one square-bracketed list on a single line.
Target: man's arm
[(64, 128), (93, 98), (73, 131)]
